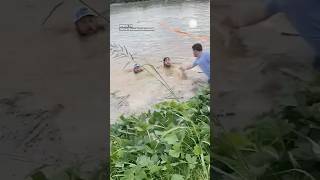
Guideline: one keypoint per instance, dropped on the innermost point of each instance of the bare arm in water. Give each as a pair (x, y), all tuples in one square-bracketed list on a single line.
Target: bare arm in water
[(188, 67)]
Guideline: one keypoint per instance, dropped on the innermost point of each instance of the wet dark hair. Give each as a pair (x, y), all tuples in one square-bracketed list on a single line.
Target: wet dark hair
[(197, 47), (165, 58)]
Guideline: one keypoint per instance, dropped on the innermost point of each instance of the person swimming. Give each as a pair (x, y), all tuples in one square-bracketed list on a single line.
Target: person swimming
[(170, 69), (167, 62), (137, 68)]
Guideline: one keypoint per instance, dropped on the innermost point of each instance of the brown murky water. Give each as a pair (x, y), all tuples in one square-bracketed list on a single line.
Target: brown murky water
[(174, 32)]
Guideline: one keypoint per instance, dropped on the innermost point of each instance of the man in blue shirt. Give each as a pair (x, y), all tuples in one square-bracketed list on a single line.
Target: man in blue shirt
[(304, 15), (202, 60)]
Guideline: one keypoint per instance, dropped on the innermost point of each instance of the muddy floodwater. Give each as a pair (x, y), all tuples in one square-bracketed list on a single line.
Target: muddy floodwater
[(161, 29)]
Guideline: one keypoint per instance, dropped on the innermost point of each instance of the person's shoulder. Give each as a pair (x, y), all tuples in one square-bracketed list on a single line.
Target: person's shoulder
[(206, 54)]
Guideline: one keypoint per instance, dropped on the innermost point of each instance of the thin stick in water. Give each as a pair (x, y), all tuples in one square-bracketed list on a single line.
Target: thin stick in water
[(51, 12)]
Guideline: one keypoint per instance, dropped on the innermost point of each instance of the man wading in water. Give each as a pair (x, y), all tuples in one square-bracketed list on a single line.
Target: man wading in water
[(202, 60)]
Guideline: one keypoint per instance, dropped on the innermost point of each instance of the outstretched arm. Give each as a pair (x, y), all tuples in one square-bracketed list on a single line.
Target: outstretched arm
[(190, 66)]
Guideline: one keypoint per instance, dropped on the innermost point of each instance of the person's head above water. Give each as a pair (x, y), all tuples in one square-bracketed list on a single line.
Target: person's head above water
[(137, 68), (85, 21), (167, 62), (197, 49)]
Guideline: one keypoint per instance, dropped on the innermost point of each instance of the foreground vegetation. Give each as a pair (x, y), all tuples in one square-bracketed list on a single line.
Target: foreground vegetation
[(172, 142), (169, 142), (281, 145)]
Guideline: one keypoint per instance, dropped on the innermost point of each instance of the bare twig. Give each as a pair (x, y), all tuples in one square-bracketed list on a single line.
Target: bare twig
[(163, 81), (52, 11), (126, 65)]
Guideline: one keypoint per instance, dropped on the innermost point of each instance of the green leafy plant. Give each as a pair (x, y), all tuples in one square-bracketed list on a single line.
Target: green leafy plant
[(281, 145), (169, 142)]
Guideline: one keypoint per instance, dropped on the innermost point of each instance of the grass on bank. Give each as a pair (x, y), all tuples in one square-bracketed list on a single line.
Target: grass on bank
[(281, 145), (169, 142), (172, 142)]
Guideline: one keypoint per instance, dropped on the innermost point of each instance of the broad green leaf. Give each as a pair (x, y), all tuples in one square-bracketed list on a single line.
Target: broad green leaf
[(192, 161), (141, 175), (154, 169), (139, 129), (155, 158), (144, 161), (177, 177), (197, 150), (129, 174), (171, 139), (119, 164), (175, 164), (174, 153)]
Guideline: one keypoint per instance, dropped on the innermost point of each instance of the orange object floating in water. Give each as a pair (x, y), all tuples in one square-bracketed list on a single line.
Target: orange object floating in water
[(178, 31)]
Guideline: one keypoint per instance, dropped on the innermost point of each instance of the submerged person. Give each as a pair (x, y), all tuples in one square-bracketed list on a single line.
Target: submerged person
[(171, 69), (202, 60), (304, 15), (167, 62), (137, 68), (86, 22)]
